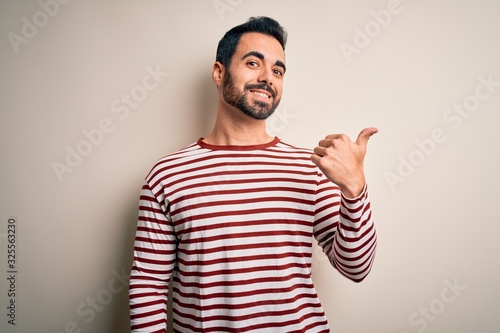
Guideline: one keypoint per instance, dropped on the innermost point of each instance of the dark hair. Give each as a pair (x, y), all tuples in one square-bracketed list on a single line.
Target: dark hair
[(261, 24)]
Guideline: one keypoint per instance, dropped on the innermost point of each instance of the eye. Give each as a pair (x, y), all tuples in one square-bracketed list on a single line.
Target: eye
[(278, 72), (253, 63)]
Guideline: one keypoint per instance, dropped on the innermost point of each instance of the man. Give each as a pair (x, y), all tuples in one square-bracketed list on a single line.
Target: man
[(231, 218)]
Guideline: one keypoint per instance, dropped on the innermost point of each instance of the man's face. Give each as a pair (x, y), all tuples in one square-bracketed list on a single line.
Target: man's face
[(253, 82)]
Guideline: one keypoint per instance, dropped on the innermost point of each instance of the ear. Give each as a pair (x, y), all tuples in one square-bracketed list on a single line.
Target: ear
[(217, 73)]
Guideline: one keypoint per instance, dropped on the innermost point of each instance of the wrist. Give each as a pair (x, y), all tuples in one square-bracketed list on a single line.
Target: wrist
[(353, 190)]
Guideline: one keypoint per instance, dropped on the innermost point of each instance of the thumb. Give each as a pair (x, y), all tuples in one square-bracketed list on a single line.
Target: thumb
[(364, 135)]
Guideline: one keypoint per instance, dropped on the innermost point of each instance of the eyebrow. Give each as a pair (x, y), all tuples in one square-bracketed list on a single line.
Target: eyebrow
[(261, 57)]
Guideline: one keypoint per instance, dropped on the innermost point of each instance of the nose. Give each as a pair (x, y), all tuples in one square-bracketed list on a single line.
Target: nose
[(266, 76)]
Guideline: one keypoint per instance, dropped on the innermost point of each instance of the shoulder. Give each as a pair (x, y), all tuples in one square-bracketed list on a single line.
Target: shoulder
[(286, 148), (169, 163)]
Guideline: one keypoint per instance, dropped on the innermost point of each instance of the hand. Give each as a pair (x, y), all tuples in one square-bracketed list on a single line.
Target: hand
[(341, 160)]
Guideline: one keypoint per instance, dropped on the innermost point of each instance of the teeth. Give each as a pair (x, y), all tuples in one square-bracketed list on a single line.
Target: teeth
[(260, 94)]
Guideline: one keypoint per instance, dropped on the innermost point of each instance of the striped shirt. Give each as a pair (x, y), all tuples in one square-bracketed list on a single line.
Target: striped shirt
[(233, 227)]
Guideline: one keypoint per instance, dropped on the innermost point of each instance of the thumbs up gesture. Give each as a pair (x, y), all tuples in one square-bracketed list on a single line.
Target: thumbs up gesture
[(341, 160)]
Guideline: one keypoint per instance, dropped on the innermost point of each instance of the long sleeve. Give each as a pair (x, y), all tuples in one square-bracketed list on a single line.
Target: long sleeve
[(154, 260), (345, 230)]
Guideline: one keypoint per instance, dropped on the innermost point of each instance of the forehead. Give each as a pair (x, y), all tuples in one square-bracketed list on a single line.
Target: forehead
[(265, 44)]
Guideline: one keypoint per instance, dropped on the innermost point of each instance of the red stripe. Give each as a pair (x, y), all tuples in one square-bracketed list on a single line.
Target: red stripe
[(247, 223), (289, 277), (276, 256), (240, 202), (213, 183), (231, 248), (245, 270), (236, 295), (249, 305), (194, 195), (177, 223), (242, 235)]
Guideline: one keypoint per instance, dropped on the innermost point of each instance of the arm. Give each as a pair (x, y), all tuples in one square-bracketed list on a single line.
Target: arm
[(346, 233), (154, 259)]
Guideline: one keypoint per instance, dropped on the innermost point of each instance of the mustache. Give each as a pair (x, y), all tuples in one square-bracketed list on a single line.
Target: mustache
[(261, 86)]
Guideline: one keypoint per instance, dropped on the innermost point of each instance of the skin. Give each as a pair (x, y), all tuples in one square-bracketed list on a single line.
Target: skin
[(260, 60)]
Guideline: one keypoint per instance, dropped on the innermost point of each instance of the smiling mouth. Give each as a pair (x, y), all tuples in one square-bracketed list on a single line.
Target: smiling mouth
[(262, 94)]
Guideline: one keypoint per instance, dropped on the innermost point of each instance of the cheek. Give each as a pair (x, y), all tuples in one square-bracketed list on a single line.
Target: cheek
[(241, 81), (279, 90)]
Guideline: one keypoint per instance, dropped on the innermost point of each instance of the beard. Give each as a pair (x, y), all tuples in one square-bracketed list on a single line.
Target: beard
[(239, 99)]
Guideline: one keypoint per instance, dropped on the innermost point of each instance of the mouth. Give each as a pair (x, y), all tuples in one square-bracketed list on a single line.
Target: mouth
[(261, 93)]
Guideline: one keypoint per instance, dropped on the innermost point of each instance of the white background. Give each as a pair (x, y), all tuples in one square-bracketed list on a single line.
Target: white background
[(65, 68)]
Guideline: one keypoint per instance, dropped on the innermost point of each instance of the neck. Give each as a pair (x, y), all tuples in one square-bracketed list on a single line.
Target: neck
[(237, 129)]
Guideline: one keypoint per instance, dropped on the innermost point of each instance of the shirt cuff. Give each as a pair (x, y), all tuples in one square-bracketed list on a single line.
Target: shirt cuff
[(351, 201)]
